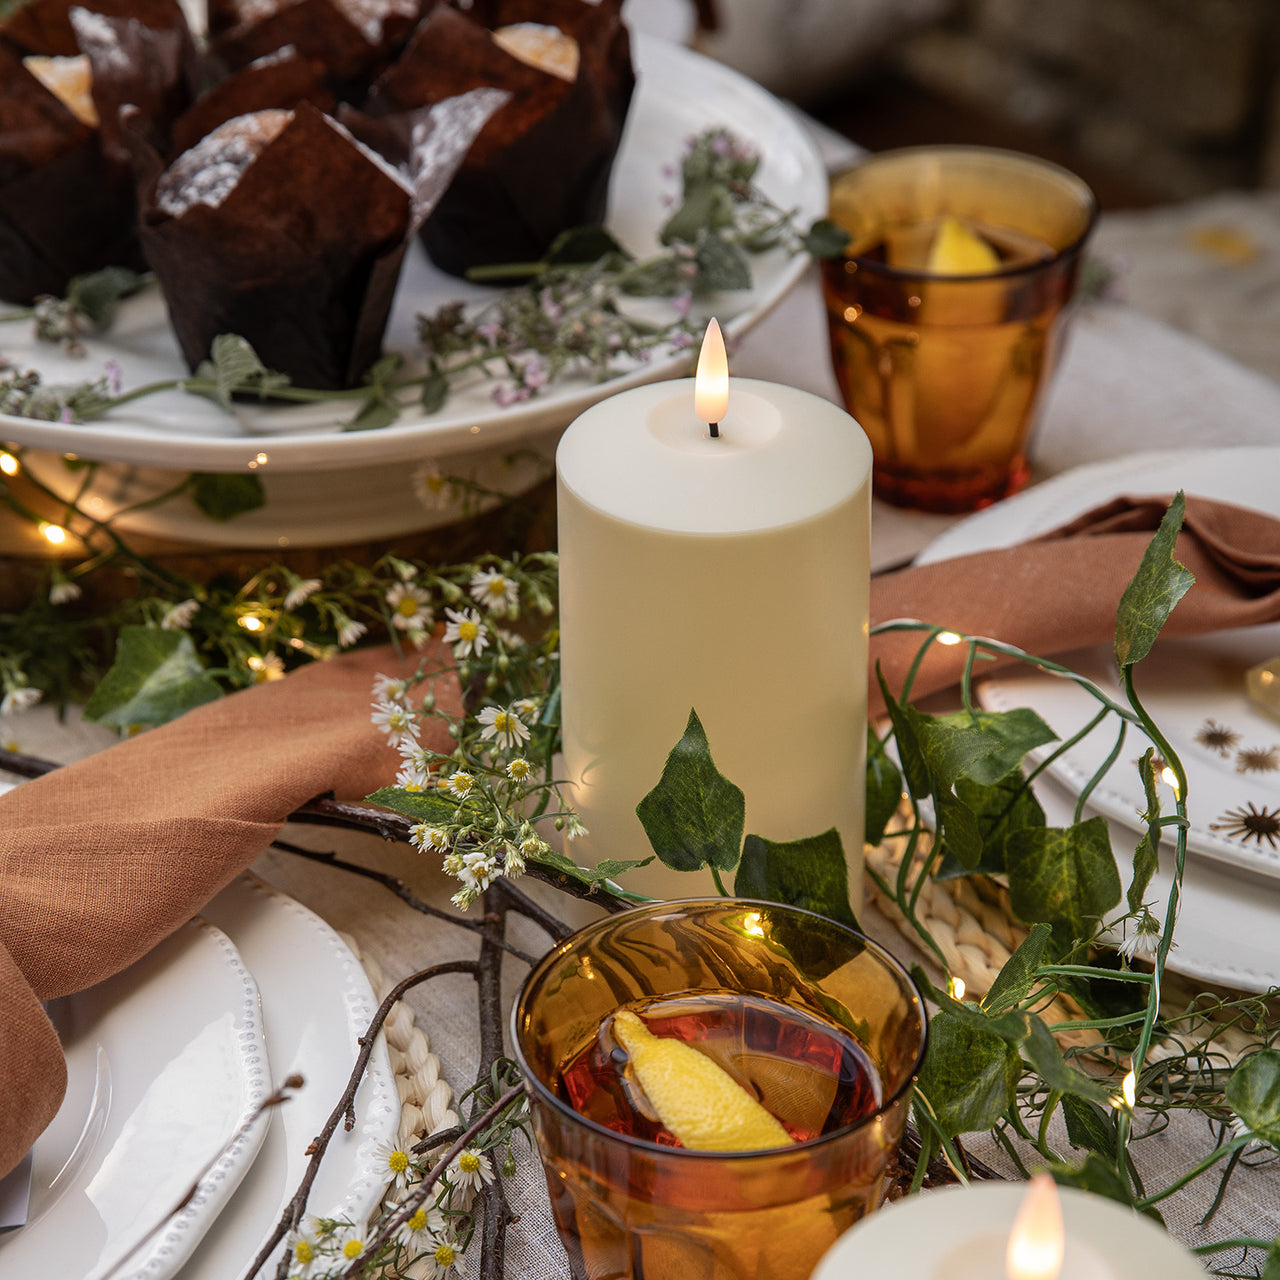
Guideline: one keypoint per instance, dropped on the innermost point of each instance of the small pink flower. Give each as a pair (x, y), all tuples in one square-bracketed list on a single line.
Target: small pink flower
[(680, 305)]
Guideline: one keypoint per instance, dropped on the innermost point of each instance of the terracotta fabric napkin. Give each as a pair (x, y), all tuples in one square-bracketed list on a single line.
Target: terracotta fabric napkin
[(101, 860), (1060, 591)]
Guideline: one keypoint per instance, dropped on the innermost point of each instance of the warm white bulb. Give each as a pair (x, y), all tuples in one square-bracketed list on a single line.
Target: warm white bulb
[(956, 988), (250, 623), (947, 637), (711, 382), (8, 464), (1130, 1089), (54, 533), (1037, 1241)]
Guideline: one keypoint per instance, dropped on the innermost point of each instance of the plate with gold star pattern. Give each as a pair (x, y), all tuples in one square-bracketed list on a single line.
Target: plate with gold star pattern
[(1194, 687)]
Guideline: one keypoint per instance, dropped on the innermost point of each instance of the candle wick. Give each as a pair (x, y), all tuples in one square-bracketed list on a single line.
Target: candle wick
[(715, 430)]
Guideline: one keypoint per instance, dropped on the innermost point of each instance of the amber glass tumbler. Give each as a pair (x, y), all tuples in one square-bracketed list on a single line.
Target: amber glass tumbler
[(631, 1208), (946, 372)]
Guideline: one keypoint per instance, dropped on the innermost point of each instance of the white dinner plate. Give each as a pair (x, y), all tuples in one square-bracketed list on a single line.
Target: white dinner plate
[(679, 93), (165, 1062), (316, 1002), (1194, 688)]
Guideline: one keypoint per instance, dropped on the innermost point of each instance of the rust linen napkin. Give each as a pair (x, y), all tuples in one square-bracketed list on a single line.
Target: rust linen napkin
[(1061, 590), (101, 860)]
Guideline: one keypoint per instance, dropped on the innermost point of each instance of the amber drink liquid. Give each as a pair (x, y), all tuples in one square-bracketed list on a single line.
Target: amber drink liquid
[(946, 371), (815, 1022)]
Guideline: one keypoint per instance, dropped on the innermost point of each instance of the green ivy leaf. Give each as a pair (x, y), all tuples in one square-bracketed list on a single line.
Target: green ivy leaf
[(1006, 806), (1253, 1093), (884, 788), (694, 817), (233, 366), (1271, 1264), (1016, 732), (721, 265), (1041, 1050), (376, 412), (907, 741), (958, 830), (952, 749), (1146, 857), (1065, 876), (97, 295), (421, 806), (1156, 588), (1100, 1177), (582, 245), (809, 873), (609, 869), (223, 497), (156, 676), (825, 239), (435, 391), (1090, 1127), (969, 1075), (707, 206), (1014, 981)]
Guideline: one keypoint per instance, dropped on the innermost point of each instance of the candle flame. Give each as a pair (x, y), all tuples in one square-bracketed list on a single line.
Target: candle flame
[(711, 382), (1036, 1243)]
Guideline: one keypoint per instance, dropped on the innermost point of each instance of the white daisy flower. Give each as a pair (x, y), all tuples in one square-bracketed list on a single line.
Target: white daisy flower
[(509, 638), (494, 590), (452, 864), (513, 863), (573, 827), (472, 1169), (410, 779), (519, 769), (422, 1227), (19, 698), (394, 720), (300, 591), (180, 616), (1143, 938), (63, 591), (465, 632), (458, 784), (350, 1244), (266, 666), (393, 1163), (305, 1243), (349, 630), (526, 708), (464, 897), (479, 870), (408, 605), (388, 689), (430, 487), (443, 1259), (428, 838), (533, 847), (503, 726)]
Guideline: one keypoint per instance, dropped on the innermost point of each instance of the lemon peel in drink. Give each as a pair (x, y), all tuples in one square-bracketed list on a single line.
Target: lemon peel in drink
[(699, 1102), (957, 251)]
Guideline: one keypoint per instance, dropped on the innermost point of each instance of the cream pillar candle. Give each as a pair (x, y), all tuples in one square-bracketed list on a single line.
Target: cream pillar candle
[(964, 1233), (725, 573)]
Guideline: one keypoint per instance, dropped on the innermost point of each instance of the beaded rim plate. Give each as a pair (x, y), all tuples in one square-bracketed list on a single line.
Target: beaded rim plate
[(316, 1003), (165, 1062), (1194, 688)]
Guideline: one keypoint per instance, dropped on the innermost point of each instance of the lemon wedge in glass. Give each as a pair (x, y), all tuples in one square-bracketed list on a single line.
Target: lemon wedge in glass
[(695, 1098), (957, 251)]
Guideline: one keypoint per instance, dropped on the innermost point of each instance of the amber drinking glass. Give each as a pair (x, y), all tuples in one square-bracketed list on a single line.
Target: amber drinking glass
[(944, 364), (821, 1024)]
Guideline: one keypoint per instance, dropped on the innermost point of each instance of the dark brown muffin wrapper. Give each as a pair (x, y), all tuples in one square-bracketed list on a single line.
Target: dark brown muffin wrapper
[(319, 31), (65, 207), (303, 256), (543, 163)]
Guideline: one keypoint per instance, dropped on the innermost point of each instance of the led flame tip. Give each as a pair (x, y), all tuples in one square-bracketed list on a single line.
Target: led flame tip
[(1037, 1242), (711, 382)]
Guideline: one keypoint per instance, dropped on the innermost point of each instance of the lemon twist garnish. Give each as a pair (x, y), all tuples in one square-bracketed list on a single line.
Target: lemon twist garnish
[(696, 1099), (956, 251)]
